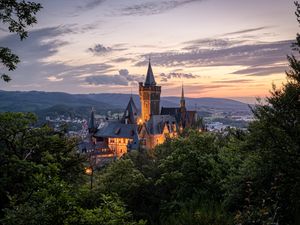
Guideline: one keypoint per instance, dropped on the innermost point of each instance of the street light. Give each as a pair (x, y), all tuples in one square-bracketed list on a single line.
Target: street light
[(89, 171)]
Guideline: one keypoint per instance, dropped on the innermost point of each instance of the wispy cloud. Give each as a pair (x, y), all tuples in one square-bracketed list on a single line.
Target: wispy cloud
[(41, 44), (211, 43), (236, 81), (198, 88), (99, 49), (121, 60), (262, 70), (153, 7), (90, 4), (260, 58), (246, 31), (54, 79), (164, 77), (121, 79)]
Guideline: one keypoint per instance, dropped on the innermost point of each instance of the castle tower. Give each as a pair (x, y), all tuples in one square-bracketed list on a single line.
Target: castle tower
[(149, 96)]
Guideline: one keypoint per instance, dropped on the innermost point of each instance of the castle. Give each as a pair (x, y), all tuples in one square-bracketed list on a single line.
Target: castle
[(137, 130)]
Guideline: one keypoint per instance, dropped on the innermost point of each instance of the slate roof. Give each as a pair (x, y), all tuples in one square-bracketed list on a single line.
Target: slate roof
[(150, 81), (130, 113), (157, 122), (117, 129), (189, 115), (171, 111)]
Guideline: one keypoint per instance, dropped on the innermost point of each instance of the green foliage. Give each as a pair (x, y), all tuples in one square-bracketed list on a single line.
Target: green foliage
[(58, 203), (268, 184), (28, 152), (42, 180), (121, 177), (18, 16), (181, 182), (243, 178)]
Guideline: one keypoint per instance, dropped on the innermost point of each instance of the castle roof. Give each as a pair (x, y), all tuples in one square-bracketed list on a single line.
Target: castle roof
[(150, 81), (175, 111), (116, 129), (130, 113), (157, 123), (189, 116)]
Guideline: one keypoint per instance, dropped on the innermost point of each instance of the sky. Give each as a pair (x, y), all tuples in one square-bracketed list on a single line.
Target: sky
[(216, 48)]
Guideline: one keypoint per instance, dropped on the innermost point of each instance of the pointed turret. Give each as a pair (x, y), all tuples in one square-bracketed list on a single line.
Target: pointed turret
[(92, 126), (182, 99), (182, 109), (130, 113), (150, 81)]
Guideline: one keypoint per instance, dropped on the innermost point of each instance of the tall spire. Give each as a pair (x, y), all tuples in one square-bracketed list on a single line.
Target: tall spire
[(92, 125), (150, 81), (182, 99), (182, 91)]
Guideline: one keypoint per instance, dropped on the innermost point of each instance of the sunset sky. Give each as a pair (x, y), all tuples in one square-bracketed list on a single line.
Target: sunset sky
[(216, 48)]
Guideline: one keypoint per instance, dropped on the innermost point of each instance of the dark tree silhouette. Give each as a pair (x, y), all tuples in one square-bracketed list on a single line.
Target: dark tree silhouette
[(17, 15)]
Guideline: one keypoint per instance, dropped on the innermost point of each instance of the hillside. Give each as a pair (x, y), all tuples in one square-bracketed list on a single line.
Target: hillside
[(58, 103), (121, 100)]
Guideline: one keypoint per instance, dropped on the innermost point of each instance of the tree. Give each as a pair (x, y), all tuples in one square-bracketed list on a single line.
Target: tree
[(18, 15), (42, 179), (29, 155), (269, 184)]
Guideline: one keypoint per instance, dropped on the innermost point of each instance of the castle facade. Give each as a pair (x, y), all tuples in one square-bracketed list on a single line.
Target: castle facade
[(145, 129)]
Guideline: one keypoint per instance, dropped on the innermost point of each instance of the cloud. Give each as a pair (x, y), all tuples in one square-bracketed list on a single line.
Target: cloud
[(90, 4), (236, 81), (41, 43), (153, 7), (121, 79), (197, 88), (211, 43), (34, 69), (107, 80), (247, 31), (262, 70), (99, 49), (54, 79), (122, 59), (165, 77), (259, 57)]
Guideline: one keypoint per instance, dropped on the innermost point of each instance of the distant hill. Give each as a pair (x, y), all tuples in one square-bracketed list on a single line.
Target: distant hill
[(121, 100), (59, 103), (37, 100)]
